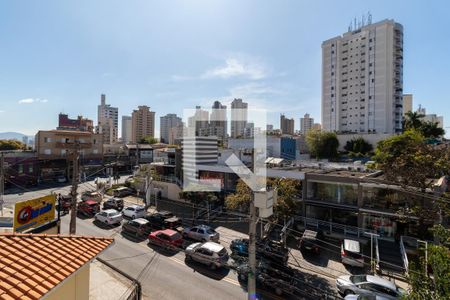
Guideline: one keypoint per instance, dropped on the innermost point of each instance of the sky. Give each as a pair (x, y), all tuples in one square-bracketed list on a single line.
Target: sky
[(59, 56)]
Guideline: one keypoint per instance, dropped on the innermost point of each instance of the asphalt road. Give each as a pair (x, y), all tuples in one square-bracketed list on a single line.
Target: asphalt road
[(162, 275)]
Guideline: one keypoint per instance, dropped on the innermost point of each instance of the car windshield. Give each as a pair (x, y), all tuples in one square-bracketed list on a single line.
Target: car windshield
[(113, 214), (358, 278), (210, 231), (223, 252), (175, 236)]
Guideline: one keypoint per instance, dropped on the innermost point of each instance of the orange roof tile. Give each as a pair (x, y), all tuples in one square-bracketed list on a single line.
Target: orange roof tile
[(33, 264)]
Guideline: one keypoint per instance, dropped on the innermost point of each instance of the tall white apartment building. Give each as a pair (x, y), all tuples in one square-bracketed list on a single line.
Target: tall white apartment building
[(239, 115), (126, 129), (168, 122), (362, 80), (108, 121), (218, 120), (306, 123)]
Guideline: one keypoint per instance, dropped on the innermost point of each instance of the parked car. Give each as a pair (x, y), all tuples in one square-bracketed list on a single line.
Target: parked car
[(201, 233), (95, 196), (309, 241), (159, 221), (165, 214), (138, 227), (109, 217), (211, 254), (134, 211), (113, 203), (166, 238), (122, 192), (368, 285), (351, 253), (88, 208), (364, 297), (61, 179), (267, 249)]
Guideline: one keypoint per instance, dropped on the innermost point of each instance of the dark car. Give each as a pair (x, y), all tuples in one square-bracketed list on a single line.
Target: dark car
[(161, 221), (122, 192), (310, 241), (138, 227), (113, 203), (270, 250), (88, 208)]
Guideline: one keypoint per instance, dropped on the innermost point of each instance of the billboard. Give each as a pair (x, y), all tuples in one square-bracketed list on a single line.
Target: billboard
[(34, 213)]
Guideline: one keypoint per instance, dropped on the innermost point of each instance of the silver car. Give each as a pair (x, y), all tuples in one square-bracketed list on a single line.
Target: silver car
[(368, 285), (364, 297), (211, 254), (201, 233), (109, 217)]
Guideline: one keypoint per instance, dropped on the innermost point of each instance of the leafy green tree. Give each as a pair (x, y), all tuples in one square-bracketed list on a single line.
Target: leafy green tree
[(430, 286), (149, 140), (431, 130), (240, 200), (12, 145), (412, 120), (197, 198), (358, 145), (322, 144), (407, 160)]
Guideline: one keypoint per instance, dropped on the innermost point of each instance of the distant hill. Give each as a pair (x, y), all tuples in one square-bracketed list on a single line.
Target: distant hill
[(13, 136)]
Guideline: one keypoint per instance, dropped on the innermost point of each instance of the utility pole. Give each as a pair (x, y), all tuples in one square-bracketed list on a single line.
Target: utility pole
[(73, 192), (372, 265), (251, 283), (2, 180)]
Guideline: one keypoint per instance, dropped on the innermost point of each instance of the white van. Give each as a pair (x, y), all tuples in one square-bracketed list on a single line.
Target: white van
[(351, 253)]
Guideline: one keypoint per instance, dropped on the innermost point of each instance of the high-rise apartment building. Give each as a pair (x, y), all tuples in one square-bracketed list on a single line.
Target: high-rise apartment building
[(407, 103), (287, 125), (142, 123), (168, 122), (239, 115), (218, 120), (199, 122), (126, 129), (108, 121), (362, 79), (306, 123)]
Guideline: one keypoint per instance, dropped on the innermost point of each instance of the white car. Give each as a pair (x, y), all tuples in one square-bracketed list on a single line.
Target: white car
[(351, 253), (109, 217), (211, 254), (364, 297), (368, 285), (202, 233), (134, 211)]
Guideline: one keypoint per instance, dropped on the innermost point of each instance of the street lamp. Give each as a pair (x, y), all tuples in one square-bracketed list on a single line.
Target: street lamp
[(371, 249)]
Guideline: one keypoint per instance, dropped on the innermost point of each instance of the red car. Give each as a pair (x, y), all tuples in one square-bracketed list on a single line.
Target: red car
[(88, 208), (166, 238)]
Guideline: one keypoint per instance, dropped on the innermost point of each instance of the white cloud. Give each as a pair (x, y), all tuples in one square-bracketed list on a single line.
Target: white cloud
[(235, 67), (32, 100)]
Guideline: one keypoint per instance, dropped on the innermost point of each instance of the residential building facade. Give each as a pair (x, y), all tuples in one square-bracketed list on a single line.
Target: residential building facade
[(127, 129), (168, 122), (362, 80), (80, 123), (407, 103), (142, 123), (239, 115), (287, 126), (108, 121), (306, 123), (218, 121)]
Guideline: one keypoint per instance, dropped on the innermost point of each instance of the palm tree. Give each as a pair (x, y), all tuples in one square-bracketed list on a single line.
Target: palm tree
[(413, 120)]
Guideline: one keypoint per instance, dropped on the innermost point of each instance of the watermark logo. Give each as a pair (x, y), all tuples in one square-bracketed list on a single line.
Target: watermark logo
[(245, 155)]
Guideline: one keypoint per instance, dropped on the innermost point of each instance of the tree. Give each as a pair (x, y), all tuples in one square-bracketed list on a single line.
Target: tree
[(197, 198), (287, 190), (12, 145), (322, 144), (407, 160), (148, 140), (413, 120), (358, 145), (431, 130)]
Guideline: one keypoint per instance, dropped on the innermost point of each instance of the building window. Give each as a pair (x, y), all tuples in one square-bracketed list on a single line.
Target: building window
[(47, 151), (30, 168), (20, 168), (95, 151), (63, 152), (47, 140)]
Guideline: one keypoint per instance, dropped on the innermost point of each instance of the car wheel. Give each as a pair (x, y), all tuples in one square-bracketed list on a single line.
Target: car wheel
[(188, 257), (213, 266), (203, 240), (133, 217), (348, 292)]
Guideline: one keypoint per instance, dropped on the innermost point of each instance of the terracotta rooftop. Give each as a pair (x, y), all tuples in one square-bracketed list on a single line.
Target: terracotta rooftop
[(33, 264)]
